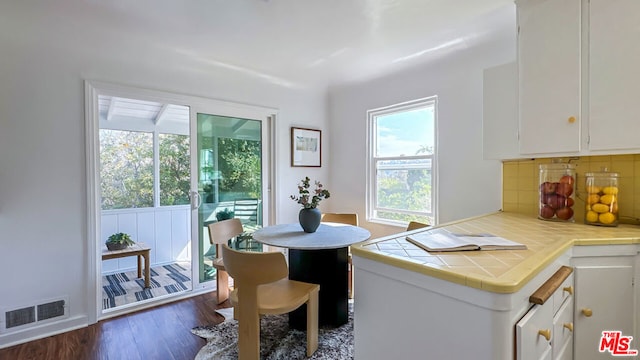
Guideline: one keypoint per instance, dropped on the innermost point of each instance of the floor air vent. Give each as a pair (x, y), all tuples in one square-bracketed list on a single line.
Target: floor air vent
[(19, 317), (22, 317), (50, 310)]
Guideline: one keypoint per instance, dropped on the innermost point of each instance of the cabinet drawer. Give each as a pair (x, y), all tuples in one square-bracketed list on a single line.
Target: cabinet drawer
[(562, 327), (564, 291), (531, 330)]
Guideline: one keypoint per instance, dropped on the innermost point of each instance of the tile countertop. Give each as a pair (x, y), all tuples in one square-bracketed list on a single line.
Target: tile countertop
[(499, 271)]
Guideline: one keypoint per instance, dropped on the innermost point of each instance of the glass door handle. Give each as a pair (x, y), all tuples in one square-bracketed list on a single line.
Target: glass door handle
[(196, 200)]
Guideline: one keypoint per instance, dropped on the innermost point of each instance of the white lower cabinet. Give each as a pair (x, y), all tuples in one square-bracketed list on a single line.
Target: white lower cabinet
[(432, 316), (565, 353), (533, 333), (546, 330), (604, 301), (562, 343)]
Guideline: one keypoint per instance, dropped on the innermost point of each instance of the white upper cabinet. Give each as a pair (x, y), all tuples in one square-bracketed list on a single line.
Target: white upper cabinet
[(614, 78), (500, 112), (549, 63), (578, 82)]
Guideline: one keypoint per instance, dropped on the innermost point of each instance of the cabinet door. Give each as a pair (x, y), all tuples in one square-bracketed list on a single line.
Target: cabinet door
[(614, 79), (604, 301), (500, 112), (563, 330), (549, 76), (566, 353), (531, 330)]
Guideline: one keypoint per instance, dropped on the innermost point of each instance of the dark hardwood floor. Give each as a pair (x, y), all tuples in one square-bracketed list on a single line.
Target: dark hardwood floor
[(159, 333)]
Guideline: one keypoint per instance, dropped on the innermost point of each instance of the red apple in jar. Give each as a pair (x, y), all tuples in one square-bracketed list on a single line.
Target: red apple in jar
[(547, 212), (555, 201), (548, 187), (564, 189), (564, 213), (570, 202), (544, 198), (567, 179)]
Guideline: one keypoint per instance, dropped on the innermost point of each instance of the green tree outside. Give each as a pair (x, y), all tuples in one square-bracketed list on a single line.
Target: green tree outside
[(126, 169), (175, 169), (239, 163)]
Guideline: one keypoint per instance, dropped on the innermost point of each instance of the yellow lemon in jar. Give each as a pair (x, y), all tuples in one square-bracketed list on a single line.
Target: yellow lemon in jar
[(593, 189), (607, 218), (607, 199), (600, 208), (593, 199), (610, 190), (591, 216), (614, 207)]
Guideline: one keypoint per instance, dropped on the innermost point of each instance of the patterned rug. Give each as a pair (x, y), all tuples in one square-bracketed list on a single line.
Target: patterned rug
[(124, 288), (277, 341)]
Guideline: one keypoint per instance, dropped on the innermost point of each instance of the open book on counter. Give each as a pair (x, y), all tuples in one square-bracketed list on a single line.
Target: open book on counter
[(443, 240)]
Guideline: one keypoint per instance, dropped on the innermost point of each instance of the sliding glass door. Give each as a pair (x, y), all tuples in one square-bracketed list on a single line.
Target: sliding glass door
[(163, 166), (229, 181)]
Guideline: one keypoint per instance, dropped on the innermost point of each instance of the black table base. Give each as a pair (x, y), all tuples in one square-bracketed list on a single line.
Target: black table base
[(329, 269)]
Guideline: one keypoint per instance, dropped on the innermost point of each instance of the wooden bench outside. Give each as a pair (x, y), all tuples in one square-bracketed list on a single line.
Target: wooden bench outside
[(140, 250)]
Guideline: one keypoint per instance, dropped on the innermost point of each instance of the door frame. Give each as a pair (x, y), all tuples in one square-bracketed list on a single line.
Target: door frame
[(92, 150)]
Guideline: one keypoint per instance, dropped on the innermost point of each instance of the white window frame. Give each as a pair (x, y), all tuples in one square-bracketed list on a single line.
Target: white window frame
[(372, 191)]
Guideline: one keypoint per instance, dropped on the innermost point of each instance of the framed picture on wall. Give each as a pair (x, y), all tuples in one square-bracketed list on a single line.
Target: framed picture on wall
[(306, 147)]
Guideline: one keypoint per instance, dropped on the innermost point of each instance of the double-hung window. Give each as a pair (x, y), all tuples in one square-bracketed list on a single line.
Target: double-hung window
[(401, 176)]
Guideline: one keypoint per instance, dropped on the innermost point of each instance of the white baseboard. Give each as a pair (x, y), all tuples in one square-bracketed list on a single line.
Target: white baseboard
[(42, 331)]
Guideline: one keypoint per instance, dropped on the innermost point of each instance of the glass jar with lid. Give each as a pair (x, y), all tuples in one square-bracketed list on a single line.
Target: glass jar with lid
[(602, 198), (556, 192)]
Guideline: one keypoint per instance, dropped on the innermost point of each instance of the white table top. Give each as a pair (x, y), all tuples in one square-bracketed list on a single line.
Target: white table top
[(328, 236)]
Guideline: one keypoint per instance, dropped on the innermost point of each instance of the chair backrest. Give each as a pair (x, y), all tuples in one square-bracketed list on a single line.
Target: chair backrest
[(246, 210), (416, 225), (220, 232), (349, 219), (252, 268)]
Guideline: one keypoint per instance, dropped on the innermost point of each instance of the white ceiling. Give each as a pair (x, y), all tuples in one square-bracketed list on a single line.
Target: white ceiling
[(289, 42)]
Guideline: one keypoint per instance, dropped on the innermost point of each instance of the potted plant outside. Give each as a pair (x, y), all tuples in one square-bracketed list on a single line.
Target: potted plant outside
[(119, 241), (225, 214)]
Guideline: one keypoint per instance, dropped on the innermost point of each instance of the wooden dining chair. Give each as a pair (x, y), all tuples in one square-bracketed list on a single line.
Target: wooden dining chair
[(262, 287), (220, 233), (349, 219), (413, 225)]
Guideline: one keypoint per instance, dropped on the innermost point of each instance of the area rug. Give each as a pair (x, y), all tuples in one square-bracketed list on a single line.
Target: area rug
[(124, 288), (277, 341)]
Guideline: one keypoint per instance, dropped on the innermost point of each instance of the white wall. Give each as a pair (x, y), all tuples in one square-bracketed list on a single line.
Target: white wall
[(468, 185), (42, 147)]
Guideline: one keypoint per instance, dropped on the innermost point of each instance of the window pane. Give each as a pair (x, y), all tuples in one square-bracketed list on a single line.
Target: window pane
[(405, 133), (404, 185), (240, 168), (126, 169), (392, 215), (174, 169)]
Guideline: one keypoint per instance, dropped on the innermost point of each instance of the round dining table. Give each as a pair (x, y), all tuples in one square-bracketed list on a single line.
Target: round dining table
[(320, 258)]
